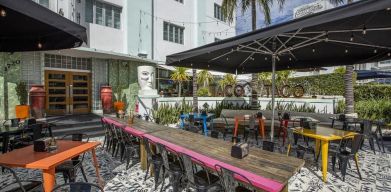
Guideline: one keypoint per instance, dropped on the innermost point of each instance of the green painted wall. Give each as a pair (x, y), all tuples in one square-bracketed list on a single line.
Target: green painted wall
[(123, 77), (9, 76)]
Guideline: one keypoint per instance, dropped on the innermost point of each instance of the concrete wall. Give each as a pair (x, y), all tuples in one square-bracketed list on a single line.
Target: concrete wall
[(106, 38)]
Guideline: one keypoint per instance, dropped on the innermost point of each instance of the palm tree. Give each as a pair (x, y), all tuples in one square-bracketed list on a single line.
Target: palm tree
[(179, 75), (348, 76), (204, 78), (228, 79), (195, 90), (229, 8)]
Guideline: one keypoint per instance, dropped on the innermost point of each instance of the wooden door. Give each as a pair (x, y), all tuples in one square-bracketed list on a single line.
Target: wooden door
[(67, 92)]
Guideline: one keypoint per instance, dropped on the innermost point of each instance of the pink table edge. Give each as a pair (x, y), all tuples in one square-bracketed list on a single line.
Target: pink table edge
[(257, 181)]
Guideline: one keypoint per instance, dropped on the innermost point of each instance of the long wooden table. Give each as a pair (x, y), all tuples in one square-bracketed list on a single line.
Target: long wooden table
[(27, 158), (266, 170), (323, 135)]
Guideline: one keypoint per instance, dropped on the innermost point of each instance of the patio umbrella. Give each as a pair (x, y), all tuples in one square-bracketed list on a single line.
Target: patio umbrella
[(368, 74), (350, 34), (28, 26)]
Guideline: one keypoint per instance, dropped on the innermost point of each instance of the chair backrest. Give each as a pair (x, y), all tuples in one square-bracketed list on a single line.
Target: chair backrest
[(229, 178), (268, 146), (79, 187), (188, 166), (163, 152), (37, 131), (356, 143), (30, 121), (147, 148), (367, 127), (225, 120)]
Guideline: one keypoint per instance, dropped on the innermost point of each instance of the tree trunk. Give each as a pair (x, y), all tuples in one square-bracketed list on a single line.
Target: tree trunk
[(254, 93), (348, 86), (180, 89), (195, 96)]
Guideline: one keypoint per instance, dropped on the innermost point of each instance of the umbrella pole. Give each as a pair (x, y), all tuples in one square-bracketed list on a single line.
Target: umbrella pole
[(273, 91)]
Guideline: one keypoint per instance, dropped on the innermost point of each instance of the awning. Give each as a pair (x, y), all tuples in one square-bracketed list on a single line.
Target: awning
[(28, 26), (350, 34), (369, 74)]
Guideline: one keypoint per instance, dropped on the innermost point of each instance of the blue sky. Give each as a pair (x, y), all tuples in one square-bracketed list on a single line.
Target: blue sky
[(243, 24)]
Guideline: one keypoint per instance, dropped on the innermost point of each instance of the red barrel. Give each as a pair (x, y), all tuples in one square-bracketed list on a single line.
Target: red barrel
[(37, 101), (106, 97)]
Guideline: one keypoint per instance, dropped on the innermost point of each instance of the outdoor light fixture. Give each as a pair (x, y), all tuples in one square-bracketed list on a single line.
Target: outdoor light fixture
[(3, 13), (389, 54), (375, 51), (388, 8), (327, 36), (227, 58), (364, 31), (208, 66), (290, 59), (265, 58), (39, 45), (352, 37), (313, 50), (346, 50)]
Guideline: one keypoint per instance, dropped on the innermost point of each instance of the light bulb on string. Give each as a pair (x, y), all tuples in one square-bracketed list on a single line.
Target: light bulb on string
[(3, 13), (375, 51), (364, 30), (265, 58), (313, 50), (389, 54), (327, 36), (351, 37), (346, 50), (39, 45)]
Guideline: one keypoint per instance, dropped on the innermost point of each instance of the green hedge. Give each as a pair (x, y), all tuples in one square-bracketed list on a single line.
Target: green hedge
[(327, 84), (374, 109), (372, 92)]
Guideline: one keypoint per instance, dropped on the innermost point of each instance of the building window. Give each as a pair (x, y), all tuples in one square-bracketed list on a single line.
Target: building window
[(105, 14), (44, 3), (173, 33), (108, 16), (219, 13), (180, 1), (66, 62), (89, 11)]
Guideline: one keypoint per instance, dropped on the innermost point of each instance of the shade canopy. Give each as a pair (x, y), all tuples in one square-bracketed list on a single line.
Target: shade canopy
[(356, 33), (28, 26), (369, 74)]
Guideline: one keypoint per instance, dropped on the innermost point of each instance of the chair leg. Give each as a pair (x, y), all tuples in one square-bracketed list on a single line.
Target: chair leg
[(163, 179), (156, 169), (65, 176), (333, 160), (83, 173), (147, 170), (344, 162), (358, 169), (372, 144)]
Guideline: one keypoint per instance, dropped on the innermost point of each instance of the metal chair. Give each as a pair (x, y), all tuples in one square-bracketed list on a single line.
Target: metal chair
[(343, 154), (198, 179), (155, 159), (69, 168), (131, 150), (229, 180), (251, 129), (172, 167), (106, 134), (29, 135), (368, 134), (78, 187), (228, 129), (19, 185), (379, 134)]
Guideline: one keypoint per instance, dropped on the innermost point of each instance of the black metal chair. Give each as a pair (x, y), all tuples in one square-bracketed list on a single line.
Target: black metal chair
[(4, 141), (155, 159), (29, 135), (19, 185), (70, 167), (369, 135), (172, 167), (197, 175), (268, 146), (228, 129), (131, 149), (106, 134), (344, 154), (379, 133), (251, 129), (229, 180), (78, 187)]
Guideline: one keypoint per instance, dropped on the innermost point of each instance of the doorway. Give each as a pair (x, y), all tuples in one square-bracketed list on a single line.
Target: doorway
[(67, 92)]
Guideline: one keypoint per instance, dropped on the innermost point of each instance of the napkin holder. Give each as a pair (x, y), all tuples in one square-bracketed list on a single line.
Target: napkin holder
[(42, 145), (240, 150)]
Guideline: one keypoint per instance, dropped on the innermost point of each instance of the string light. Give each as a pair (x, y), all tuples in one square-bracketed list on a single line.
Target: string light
[(227, 58), (346, 50), (313, 50), (364, 31), (388, 9), (375, 51), (351, 38), (327, 36), (389, 54), (290, 59), (39, 45), (265, 58), (3, 13)]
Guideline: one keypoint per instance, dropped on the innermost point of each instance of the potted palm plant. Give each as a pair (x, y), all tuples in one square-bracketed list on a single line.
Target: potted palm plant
[(21, 110), (119, 104)]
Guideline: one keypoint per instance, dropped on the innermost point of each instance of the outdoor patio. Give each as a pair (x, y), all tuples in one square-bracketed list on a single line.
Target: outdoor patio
[(376, 171)]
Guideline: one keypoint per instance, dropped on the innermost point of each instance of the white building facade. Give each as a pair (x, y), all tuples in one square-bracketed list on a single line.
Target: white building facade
[(122, 34)]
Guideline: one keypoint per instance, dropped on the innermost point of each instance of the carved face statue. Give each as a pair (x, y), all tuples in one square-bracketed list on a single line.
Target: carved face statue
[(146, 76)]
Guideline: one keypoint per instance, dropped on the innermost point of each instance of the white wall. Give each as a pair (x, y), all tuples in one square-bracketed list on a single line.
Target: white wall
[(106, 38)]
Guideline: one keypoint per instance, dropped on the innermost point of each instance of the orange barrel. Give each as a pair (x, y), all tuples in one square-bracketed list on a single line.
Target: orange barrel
[(106, 97), (37, 101)]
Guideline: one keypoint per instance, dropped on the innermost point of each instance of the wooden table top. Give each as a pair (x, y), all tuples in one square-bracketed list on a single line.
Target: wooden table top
[(27, 158), (270, 165), (324, 133), (140, 125)]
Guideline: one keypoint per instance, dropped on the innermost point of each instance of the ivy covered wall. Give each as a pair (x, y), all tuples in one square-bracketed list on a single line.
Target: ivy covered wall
[(9, 76), (123, 78)]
